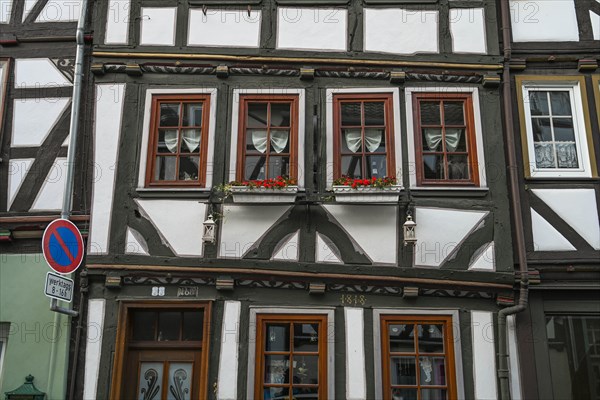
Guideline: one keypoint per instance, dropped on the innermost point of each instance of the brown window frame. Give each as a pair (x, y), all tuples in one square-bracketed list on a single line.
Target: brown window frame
[(467, 98), (152, 142), (123, 344), (261, 323), (450, 366), (241, 144), (340, 98)]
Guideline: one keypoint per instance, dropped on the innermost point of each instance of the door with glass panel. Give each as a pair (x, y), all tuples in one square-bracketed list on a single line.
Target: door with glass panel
[(418, 358)]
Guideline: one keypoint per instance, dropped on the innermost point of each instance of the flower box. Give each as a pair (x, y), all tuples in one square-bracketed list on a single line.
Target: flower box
[(367, 194), (245, 194)]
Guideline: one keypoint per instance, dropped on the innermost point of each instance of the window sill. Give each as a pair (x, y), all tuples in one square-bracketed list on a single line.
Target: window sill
[(362, 194), (244, 194), (174, 193)]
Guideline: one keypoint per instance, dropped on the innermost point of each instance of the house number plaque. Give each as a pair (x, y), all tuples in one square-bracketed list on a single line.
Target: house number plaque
[(187, 291)]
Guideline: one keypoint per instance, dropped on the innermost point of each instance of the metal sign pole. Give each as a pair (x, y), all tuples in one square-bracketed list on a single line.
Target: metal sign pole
[(54, 307)]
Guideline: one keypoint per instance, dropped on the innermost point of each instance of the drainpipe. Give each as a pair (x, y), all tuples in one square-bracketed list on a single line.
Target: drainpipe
[(503, 372)]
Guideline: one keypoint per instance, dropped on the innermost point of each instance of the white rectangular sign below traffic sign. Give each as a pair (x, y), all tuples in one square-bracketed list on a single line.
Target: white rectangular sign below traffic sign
[(59, 288)]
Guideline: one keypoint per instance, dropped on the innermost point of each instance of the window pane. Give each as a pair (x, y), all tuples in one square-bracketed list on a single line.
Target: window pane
[(376, 166), (279, 166), (306, 370), (561, 103), (144, 324), (257, 115), (538, 103), (188, 168), (544, 155), (374, 113), (255, 168), (375, 140), (430, 113), (351, 114), (180, 376), (150, 380), (403, 371), (256, 141), (169, 114), (566, 155), (193, 325), (433, 371), (458, 167), (169, 323), (280, 114), (431, 339), (190, 140), (351, 140), (277, 337), (277, 369), (280, 141), (167, 141), (306, 337), (352, 166), (453, 113), (541, 129), (402, 338), (563, 129), (192, 114), (433, 166), (276, 393), (404, 394), (165, 168), (432, 139), (433, 394), (456, 139)]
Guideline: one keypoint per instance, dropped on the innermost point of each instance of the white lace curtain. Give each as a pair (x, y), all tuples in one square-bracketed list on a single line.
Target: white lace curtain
[(279, 140), (433, 138), (353, 138), (190, 137)]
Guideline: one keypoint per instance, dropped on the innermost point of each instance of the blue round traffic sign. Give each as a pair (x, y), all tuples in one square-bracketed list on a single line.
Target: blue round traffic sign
[(62, 246)]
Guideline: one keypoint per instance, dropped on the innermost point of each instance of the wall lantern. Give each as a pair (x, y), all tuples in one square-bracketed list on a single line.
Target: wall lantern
[(209, 230), (410, 231)]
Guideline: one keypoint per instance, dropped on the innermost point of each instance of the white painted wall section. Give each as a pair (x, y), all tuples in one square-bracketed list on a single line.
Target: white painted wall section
[(546, 237), (178, 222), (467, 27), (29, 4), (484, 259), (326, 251), (441, 231), (595, 19), (398, 31), (158, 26), (484, 355), (93, 349), (229, 357), (5, 11), (544, 21), (18, 168), (38, 73), (319, 29), (51, 193), (135, 243), (289, 249), (513, 359), (107, 131), (244, 225), (372, 227), (578, 208), (117, 22), (60, 11), (233, 28), (356, 382), (33, 119)]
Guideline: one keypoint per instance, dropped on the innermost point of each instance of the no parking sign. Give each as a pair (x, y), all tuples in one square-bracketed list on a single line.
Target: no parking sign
[(62, 246)]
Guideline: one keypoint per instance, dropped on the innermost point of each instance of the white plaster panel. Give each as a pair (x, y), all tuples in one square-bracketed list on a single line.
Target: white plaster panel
[(356, 385), (320, 29), (435, 245), (578, 208), (93, 349), (398, 31), (544, 21), (38, 73), (233, 28), (5, 11), (325, 252), (467, 27), (60, 11), (372, 227), (244, 225), (51, 194), (17, 171), (288, 251), (117, 22), (158, 26), (484, 259), (107, 130), (484, 355), (546, 237), (29, 4), (229, 357), (33, 119), (595, 19), (135, 243), (179, 223), (513, 359)]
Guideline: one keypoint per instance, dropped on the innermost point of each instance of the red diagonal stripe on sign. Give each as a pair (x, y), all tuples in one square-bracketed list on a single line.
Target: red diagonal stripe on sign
[(64, 246)]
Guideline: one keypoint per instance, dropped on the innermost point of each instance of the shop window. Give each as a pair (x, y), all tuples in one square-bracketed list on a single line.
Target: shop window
[(291, 357), (418, 358), (164, 352), (363, 136)]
